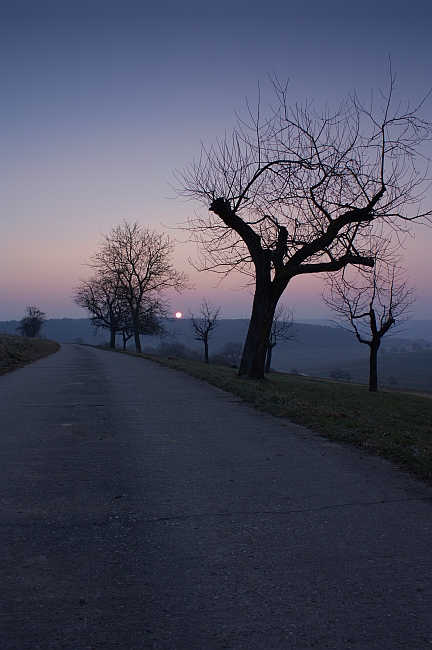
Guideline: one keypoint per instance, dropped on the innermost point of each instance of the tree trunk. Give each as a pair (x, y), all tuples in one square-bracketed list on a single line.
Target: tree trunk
[(137, 341), (206, 351), (268, 359), (136, 327), (113, 338), (254, 352), (373, 368)]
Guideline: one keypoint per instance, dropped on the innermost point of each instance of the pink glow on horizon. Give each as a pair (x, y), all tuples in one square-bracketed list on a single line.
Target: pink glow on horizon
[(91, 135)]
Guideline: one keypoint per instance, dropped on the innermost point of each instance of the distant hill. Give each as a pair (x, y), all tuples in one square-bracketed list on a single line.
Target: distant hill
[(318, 349), (412, 329), (309, 335), (62, 330)]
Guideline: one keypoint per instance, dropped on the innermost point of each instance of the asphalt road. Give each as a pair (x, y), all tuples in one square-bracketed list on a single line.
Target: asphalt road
[(141, 508)]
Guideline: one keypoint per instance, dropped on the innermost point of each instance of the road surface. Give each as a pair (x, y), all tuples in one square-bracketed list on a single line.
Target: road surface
[(142, 508)]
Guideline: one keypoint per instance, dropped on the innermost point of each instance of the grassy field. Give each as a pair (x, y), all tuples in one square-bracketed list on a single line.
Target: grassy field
[(412, 370), (17, 351), (391, 423)]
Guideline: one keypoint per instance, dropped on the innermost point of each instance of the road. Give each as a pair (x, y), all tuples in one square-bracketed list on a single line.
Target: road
[(142, 508)]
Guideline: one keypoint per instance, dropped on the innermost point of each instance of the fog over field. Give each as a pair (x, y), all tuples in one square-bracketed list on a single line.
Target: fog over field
[(318, 349)]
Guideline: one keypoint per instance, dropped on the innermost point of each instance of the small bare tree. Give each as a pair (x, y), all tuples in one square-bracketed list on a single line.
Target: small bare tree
[(282, 330), (370, 304), (232, 351), (300, 192), (204, 324), (228, 355), (339, 374), (139, 260), (31, 324)]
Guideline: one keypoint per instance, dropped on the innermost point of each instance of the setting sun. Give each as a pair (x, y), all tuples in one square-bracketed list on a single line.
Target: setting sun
[(178, 314)]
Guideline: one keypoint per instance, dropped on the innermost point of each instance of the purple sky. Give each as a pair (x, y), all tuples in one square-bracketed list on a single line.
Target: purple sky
[(101, 101)]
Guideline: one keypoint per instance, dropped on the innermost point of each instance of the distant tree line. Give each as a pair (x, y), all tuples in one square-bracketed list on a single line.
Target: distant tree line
[(228, 355)]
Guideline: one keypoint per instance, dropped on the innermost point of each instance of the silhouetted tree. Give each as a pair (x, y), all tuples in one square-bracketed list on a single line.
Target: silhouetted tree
[(31, 324), (204, 324), (300, 192), (103, 299), (281, 330), (140, 261), (370, 304), (100, 296)]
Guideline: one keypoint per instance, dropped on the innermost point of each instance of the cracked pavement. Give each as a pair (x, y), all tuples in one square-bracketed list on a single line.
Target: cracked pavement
[(142, 508)]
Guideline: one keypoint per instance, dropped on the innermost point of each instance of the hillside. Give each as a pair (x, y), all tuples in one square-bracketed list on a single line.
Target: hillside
[(309, 335), (17, 351)]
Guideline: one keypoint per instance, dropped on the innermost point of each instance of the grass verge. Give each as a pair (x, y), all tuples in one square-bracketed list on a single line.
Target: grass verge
[(17, 351), (391, 423)]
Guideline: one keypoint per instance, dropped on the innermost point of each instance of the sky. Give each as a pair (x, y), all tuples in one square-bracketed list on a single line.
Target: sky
[(102, 100)]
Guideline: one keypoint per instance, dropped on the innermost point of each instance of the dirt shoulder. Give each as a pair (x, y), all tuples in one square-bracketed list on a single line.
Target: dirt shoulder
[(17, 351)]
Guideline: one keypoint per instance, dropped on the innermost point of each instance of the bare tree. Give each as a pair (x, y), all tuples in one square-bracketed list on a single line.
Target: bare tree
[(370, 304), (228, 355), (281, 330), (300, 192), (31, 324), (103, 299), (232, 351), (140, 261), (204, 324), (339, 374), (100, 296)]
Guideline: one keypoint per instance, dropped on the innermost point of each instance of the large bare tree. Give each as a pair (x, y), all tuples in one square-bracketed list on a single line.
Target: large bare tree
[(370, 303), (139, 259), (300, 192)]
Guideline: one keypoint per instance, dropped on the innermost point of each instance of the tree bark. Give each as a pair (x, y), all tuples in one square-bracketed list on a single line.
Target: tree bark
[(256, 344), (113, 338), (206, 351), (373, 368), (268, 359), (137, 341)]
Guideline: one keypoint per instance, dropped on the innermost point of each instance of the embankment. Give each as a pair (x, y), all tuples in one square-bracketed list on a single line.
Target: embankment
[(17, 351)]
